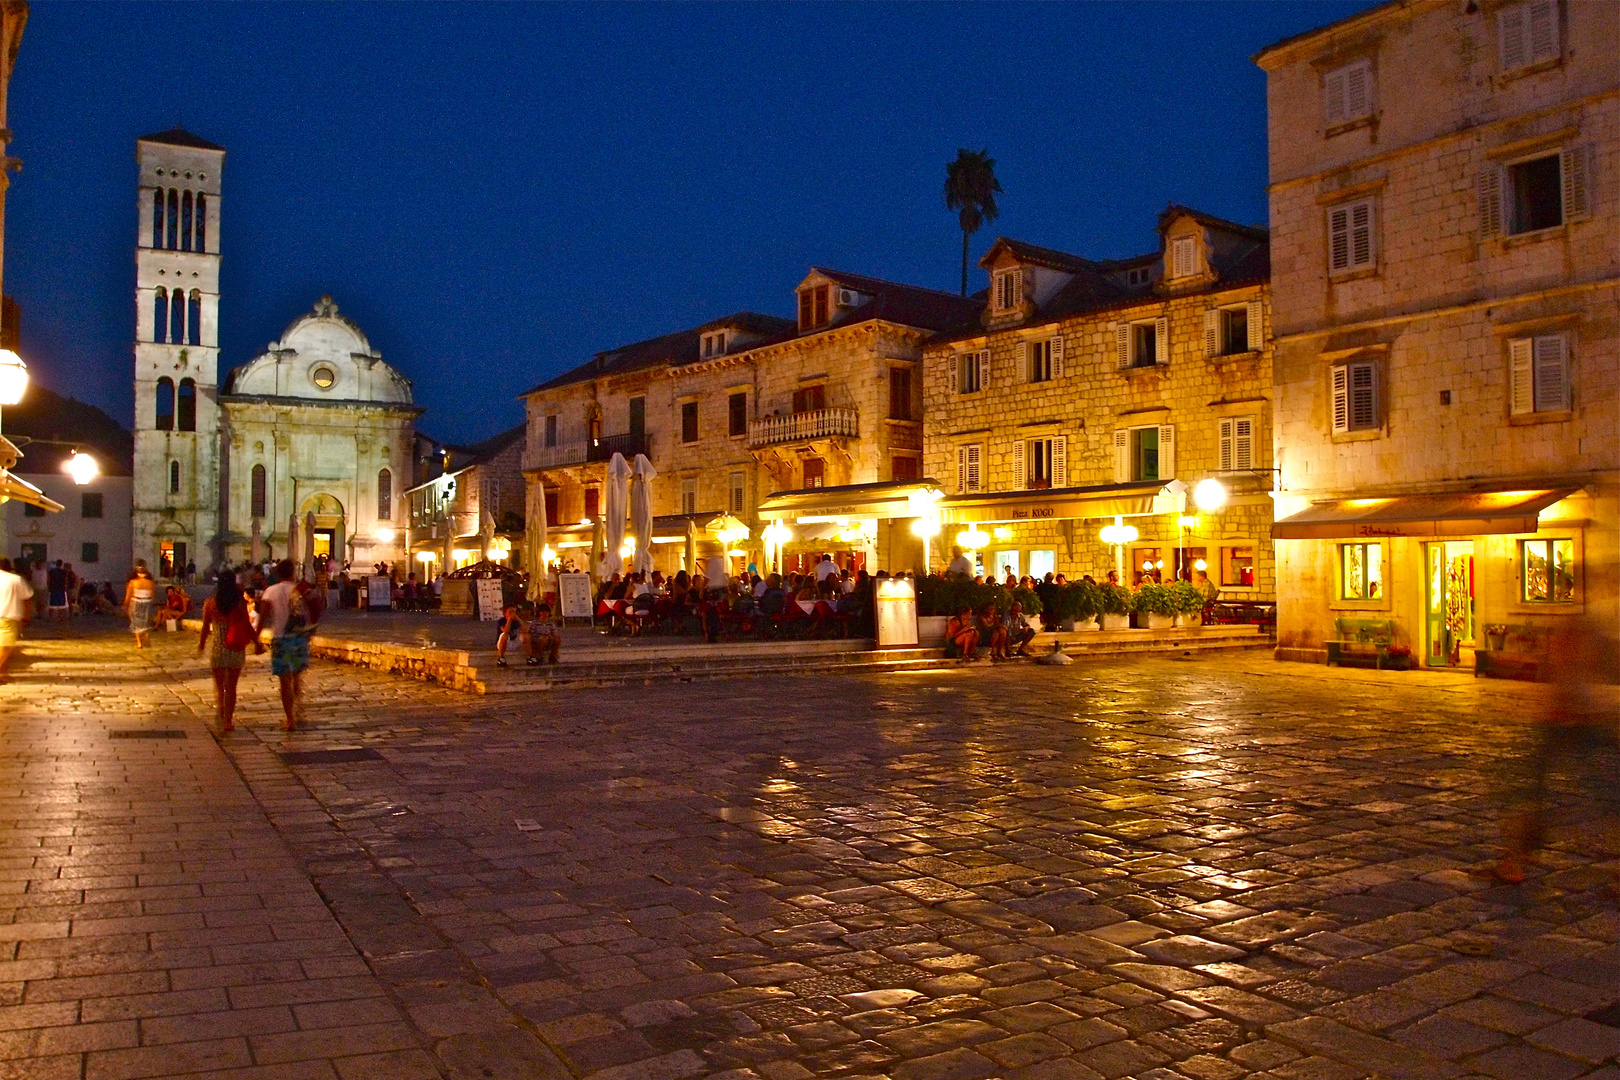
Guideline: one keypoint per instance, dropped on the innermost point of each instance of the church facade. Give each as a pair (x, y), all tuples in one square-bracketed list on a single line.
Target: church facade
[(317, 424)]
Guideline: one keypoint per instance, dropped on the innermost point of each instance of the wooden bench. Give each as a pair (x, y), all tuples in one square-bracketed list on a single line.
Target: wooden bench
[(1361, 642), (1520, 657)]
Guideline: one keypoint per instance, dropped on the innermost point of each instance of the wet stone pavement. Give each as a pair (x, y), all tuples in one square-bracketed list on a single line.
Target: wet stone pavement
[(1205, 869)]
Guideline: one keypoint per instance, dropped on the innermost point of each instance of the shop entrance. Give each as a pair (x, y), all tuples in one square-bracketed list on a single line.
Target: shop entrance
[(1448, 622)]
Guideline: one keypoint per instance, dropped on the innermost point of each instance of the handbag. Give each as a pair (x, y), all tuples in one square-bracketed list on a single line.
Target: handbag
[(238, 630)]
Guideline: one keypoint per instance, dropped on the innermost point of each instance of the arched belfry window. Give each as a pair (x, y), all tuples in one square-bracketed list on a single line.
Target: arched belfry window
[(201, 219), (157, 217), (174, 478), (185, 221), (160, 315), (385, 495), (256, 506), (172, 229), (186, 402), (165, 404), (194, 319), (177, 317)]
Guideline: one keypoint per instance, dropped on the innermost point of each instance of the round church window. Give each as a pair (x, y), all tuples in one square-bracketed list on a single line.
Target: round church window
[(324, 377)]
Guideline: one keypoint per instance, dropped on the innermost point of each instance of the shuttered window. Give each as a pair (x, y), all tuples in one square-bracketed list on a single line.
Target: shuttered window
[(1355, 399), (1043, 360), (970, 372), (1145, 453), (1350, 235), (1142, 344), (1041, 463), (1236, 444), (1539, 374), (1537, 193), (1009, 289), (969, 468), (1527, 34), (1183, 257), (1347, 93)]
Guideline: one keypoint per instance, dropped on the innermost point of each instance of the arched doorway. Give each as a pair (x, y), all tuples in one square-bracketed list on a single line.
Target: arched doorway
[(329, 528)]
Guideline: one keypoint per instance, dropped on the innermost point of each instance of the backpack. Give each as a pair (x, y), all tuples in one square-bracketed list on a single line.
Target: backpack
[(297, 611), (239, 633)]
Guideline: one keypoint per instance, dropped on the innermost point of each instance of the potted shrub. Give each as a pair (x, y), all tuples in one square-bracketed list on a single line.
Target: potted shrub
[(1189, 603), (1496, 637), (1114, 605), (1157, 604), (1398, 657), (1083, 602), (936, 598)]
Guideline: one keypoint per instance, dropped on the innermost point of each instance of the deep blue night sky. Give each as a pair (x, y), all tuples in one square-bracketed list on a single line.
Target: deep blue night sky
[(495, 192)]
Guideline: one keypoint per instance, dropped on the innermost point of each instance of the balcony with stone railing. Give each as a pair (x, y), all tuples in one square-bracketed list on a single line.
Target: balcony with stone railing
[(804, 426), (554, 457), (578, 453)]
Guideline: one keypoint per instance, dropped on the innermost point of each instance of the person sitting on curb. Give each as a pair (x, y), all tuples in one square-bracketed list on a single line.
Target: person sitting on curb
[(961, 639), (991, 632), (542, 638), (1017, 628), (506, 630)]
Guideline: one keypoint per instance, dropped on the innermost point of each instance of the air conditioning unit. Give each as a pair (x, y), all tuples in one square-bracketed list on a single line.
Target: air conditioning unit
[(848, 298)]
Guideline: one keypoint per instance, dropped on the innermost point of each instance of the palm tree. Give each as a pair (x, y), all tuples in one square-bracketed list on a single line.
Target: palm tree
[(971, 188)]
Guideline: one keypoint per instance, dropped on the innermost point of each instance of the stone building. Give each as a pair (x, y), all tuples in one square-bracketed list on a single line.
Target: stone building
[(469, 506), (1445, 240), (752, 418), (317, 424), (1096, 391)]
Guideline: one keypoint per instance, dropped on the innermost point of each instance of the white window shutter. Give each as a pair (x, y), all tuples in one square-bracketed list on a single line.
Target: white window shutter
[(975, 466), (1212, 332), (1257, 332), (1122, 344), (1358, 90), (1225, 459), (1339, 238), (1361, 233), (1543, 31), (956, 365), (984, 369), (1023, 361), (1060, 461), (1576, 168), (1057, 357), (1490, 202), (1514, 37), (1243, 443), (1167, 451), (1122, 456), (1363, 396), (961, 469), (1018, 465), (1552, 373), (1333, 111), (1521, 376), (1161, 340), (1341, 399)]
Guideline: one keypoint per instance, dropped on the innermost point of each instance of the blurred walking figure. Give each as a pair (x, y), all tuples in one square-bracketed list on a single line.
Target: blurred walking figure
[(1577, 734), (225, 614), (139, 596), (15, 593)]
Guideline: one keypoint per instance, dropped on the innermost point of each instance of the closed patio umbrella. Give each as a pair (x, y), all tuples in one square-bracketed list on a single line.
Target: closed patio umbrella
[(691, 546), (535, 534), (488, 531), (596, 550), (292, 539), (618, 493), (641, 512), (309, 546)]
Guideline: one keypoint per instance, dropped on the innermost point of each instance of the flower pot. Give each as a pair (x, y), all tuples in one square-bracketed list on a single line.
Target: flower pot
[(1159, 622), (1115, 622), (1067, 626), (1189, 618), (1495, 642), (1086, 624), (931, 631)]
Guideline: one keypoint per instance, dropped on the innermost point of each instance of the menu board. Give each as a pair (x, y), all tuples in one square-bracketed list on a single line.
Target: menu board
[(574, 595), (379, 591), (489, 599)]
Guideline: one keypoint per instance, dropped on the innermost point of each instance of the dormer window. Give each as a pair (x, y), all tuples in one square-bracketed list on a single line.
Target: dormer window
[(814, 308), (1008, 289), (714, 344), (1183, 257), (1140, 276)]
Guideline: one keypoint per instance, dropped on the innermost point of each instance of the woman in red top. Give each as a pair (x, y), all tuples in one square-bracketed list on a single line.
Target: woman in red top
[(227, 611)]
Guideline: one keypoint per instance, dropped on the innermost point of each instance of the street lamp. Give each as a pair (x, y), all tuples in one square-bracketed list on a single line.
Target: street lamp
[(82, 467), (13, 377), (1118, 534), (1210, 495), (926, 526), (385, 534)]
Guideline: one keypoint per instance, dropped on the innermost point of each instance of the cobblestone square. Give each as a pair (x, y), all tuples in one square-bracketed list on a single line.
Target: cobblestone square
[(1199, 868)]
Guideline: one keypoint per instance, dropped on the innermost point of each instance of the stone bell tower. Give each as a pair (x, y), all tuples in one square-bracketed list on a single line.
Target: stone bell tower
[(177, 430)]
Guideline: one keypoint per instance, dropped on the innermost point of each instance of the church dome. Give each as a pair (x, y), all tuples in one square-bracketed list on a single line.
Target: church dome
[(322, 356)]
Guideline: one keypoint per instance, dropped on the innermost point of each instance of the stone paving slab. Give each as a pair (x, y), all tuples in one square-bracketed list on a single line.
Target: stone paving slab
[(1218, 867)]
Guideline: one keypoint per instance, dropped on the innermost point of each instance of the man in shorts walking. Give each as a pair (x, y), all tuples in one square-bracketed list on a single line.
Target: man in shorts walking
[(15, 592), (282, 609)]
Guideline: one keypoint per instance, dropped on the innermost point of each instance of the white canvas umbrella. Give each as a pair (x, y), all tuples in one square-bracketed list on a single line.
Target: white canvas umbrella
[(536, 535), (292, 539), (309, 546), (691, 546), (618, 494), (641, 512), (596, 550), (257, 550), (488, 531)]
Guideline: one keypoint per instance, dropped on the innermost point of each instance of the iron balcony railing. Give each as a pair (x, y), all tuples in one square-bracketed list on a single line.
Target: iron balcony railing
[(800, 426)]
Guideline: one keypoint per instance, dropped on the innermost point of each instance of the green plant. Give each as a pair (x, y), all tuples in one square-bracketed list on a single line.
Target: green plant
[(1155, 599), (1079, 600), (1114, 600), (1032, 603), (1187, 598)]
